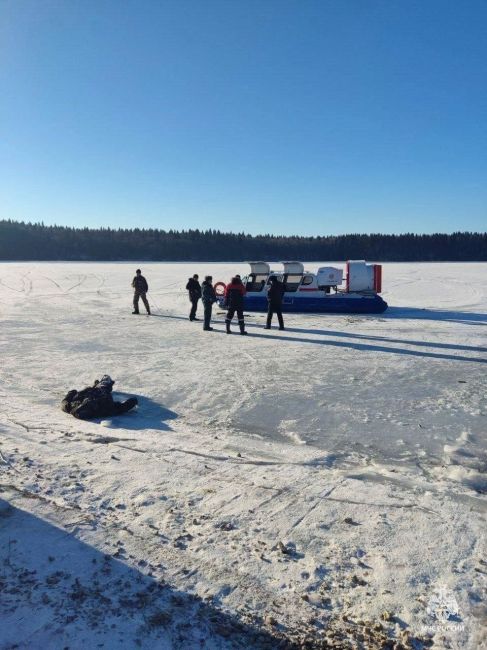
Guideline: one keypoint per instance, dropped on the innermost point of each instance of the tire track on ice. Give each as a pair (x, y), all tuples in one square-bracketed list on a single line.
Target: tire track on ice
[(81, 280), (319, 499), (53, 281), (11, 288)]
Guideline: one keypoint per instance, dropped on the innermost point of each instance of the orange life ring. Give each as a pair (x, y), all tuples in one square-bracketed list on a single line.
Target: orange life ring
[(219, 288)]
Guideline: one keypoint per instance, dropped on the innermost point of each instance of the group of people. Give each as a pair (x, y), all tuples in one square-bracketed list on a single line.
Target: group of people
[(97, 401), (234, 295), (233, 299), (206, 293)]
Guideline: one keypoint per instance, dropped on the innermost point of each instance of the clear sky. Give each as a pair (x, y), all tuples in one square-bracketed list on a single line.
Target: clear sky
[(283, 116)]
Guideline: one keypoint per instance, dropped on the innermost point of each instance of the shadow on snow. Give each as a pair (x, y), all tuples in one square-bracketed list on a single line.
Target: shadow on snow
[(58, 591), (148, 415), (465, 317), (366, 346)]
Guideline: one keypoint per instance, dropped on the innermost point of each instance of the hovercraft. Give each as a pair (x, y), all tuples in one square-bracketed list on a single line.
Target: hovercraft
[(320, 292)]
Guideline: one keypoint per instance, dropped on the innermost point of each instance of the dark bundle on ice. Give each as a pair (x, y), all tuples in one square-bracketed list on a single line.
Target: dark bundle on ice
[(96, 401)]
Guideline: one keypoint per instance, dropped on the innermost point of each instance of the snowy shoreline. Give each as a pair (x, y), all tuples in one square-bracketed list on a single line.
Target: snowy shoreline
[(292, 483)]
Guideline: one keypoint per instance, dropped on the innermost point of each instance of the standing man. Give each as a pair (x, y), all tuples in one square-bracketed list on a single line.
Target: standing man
[(208, 297), (194, 291), (234, 299), (141, 287), (274, 298)]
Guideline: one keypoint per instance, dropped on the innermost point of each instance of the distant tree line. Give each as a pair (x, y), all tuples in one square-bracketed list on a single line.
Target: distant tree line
[(35, 241)]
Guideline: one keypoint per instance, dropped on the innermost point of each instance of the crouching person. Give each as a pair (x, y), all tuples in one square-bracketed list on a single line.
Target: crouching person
[(208, 297), (96, 401)]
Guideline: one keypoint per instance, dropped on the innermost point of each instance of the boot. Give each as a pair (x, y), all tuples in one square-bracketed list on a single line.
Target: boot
[(241, 324), (127, 405), (227, 323), (136, 311)]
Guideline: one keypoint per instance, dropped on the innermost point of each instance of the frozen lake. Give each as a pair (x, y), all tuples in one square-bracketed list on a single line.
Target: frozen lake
[(360, 441), (408, 386)]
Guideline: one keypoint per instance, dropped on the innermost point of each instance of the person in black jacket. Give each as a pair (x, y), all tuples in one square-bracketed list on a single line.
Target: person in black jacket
[(274, 297), (234, 300), (96, 401), (208, 297), (141, 287), (194, 291)]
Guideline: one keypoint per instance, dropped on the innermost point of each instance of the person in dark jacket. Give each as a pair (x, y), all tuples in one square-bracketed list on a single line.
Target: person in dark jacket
[(141, 287), (96, 401), (275, 293), (194, 291), (234, 300), (208, 297)]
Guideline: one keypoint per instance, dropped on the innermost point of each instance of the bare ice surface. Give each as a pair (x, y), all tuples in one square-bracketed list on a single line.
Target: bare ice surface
[(277, 436)]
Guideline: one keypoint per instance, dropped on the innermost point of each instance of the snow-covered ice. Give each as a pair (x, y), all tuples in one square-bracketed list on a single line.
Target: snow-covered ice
[(358, 442)]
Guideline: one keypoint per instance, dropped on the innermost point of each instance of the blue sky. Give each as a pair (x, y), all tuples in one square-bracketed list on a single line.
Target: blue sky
[(292, 117)]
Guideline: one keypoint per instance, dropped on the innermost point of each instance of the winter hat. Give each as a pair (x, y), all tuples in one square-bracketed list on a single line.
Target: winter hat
[(106, 383)]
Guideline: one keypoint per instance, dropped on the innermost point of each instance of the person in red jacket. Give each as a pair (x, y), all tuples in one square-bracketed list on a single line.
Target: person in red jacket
[(234, 300)]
